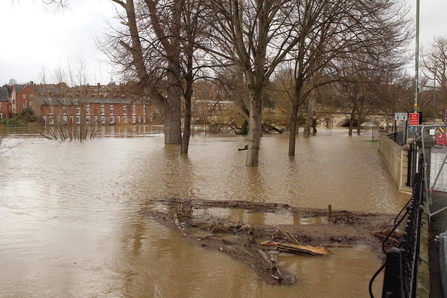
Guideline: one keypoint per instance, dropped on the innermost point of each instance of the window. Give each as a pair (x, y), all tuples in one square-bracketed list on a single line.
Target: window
[(111, 111), (24, 96), (124, 111), (64, 119), (50, 110), (87, 111), (78, 119), (51, 120), (133, 119), (87, 119), (124, 119), (103, 119), (78, 111), (133, 111), (112, 119), (102, 111)]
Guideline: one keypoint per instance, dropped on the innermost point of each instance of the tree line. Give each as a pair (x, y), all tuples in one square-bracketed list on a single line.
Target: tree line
[(301, 52)]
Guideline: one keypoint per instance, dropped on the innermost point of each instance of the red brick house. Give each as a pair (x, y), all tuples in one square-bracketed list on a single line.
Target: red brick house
[(106, 111), (14, 99), (4, 103), (20, 97)]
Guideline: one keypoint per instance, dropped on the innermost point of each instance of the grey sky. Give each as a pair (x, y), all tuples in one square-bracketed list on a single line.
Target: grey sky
[(33, 37)]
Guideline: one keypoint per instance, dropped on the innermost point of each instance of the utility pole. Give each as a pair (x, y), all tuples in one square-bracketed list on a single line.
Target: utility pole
[(416, 66)]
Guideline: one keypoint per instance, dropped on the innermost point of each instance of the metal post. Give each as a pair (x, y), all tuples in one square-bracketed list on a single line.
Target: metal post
[(409, 166), (416, 66), (392, 281)]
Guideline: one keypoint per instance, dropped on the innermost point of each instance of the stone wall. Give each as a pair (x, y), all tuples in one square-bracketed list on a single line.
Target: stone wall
[(395, 158)]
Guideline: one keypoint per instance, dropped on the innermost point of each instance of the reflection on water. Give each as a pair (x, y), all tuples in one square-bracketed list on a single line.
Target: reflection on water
[(248, 217), (69, 226)]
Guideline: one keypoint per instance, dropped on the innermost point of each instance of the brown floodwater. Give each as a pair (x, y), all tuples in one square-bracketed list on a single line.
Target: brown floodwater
[(69, 225)]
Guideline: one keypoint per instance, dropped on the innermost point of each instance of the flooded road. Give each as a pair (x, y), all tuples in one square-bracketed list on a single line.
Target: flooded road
[(69, 225)]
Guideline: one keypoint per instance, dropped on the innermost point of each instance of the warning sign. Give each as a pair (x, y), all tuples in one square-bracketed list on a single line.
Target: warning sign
[(414, 118)]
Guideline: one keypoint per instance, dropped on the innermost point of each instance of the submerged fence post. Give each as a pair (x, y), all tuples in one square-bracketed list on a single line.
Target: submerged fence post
[(392, 282)]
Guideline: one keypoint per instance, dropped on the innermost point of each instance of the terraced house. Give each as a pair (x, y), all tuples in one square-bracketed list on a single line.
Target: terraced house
[(59, 104)]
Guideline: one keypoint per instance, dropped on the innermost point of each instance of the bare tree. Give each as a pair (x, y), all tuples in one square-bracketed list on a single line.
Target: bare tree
[(254, 36), (333, 32), (434, 67), (156, 48)]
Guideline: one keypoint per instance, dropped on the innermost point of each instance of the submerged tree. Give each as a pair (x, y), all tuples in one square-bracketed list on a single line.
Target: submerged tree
[(156, 48), (255, 37), (331, 33)]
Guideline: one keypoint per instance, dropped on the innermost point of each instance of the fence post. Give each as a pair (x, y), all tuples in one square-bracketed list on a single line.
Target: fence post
[(392, 281)]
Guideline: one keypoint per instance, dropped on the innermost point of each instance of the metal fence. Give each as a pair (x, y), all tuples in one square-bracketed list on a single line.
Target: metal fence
[(401, 266)]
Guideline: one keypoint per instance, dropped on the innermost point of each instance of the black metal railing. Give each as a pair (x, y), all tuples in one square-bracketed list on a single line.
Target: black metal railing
[(401, 266)]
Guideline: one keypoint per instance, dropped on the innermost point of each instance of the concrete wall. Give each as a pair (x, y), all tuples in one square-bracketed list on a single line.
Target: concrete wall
[(395, 158)]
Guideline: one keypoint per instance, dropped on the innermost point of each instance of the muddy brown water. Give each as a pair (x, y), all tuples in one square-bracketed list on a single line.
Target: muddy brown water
[(69, 225)]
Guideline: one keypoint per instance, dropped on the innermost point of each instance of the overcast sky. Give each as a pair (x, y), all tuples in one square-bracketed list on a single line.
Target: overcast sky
[(34, 37)]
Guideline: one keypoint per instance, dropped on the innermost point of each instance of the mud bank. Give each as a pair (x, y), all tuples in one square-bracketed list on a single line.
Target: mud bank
[(257, 244)]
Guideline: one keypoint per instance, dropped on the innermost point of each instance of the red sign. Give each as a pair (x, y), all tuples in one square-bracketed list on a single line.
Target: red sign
[(414, 118)]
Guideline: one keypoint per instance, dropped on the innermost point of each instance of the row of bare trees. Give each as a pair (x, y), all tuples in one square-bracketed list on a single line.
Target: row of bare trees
[(165, 45)]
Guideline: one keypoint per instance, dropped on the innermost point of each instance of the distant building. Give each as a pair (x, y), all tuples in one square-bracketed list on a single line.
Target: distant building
[(20, 97), (94, 104), (14, 99), (4, 103), (106, 111)]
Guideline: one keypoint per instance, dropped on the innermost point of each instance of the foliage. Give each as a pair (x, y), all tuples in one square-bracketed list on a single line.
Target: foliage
[(20, 119)]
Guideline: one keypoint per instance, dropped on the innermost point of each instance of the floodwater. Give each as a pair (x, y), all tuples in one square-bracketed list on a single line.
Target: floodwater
[(69, 225)]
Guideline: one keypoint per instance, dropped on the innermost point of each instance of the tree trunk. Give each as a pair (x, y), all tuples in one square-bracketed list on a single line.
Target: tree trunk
[(310, 111), (172, 116), (172, 126), (187, 120), (254, 133), (293, 129)]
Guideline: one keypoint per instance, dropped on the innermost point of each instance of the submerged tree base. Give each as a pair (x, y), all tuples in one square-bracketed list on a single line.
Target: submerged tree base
[(257, 244)]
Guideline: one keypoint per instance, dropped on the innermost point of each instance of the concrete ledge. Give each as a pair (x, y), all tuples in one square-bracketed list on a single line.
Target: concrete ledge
[(393, 156)]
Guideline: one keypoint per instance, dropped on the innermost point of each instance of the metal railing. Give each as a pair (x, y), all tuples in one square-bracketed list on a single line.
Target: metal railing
[(401, 266)]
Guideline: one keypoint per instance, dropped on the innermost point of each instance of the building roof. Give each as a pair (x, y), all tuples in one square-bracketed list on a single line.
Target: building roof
[(3, 94), (74, 101), (19, 87)]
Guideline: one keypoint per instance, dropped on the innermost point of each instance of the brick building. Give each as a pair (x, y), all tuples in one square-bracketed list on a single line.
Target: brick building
[(4, 103), (106, 111), (14, 99)]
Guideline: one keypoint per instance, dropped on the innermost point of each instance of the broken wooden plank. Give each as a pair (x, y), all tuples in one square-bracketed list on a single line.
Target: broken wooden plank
[(300, 249)]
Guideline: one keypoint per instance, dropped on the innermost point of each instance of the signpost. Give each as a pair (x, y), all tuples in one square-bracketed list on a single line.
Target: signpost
[(414, 118), (400, 116)]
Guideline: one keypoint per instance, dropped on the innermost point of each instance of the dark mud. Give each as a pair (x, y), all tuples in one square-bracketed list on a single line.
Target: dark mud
[(242, 241)]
